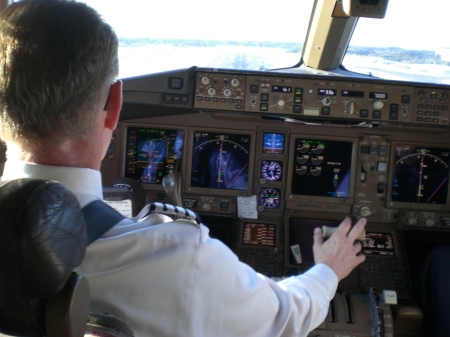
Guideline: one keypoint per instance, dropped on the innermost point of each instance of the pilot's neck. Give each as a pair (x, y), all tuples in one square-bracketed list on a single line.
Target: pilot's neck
[(79, 153)]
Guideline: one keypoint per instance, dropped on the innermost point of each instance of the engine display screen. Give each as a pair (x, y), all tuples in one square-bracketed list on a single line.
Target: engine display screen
[(273, 143), (259, 234), (378, 244), (322, 168), (151, 153), (420, 174), (220, 160)]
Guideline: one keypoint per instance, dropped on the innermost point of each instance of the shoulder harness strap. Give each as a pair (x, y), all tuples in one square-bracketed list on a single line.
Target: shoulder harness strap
[(100, 217)]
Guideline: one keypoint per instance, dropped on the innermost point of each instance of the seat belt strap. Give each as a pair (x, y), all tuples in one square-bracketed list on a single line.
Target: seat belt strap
[(99, 218)]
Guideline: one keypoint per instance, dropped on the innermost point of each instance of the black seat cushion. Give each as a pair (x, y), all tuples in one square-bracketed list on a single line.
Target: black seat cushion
[(42, 240)]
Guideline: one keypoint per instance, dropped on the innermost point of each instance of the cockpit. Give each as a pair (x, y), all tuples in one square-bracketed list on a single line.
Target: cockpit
[(279, 118)]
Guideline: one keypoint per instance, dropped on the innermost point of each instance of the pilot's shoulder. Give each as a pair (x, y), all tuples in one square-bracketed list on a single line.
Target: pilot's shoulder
[(159, 227)]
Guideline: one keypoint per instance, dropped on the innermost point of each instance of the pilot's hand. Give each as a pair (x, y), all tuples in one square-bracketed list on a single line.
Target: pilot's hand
[(340, 251)]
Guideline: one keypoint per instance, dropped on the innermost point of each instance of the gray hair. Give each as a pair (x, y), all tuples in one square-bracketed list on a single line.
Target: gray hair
[(57, 61)]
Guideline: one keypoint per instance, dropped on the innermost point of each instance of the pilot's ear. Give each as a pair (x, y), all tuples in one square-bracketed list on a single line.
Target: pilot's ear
[(113, 105)]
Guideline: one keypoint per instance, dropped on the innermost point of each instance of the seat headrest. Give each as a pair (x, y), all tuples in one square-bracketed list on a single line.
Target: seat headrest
[(42, 240)]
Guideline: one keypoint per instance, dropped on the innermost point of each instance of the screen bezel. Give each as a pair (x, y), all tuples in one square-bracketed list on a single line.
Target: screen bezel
[(188, 188), (123, 161), (294, 199), (411, 205)]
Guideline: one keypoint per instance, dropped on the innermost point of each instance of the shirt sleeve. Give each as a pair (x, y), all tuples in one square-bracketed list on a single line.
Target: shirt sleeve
[(239, 301)]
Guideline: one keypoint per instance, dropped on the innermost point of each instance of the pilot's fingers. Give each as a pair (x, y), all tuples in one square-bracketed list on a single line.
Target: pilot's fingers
[(357, 247), (357, 229), (318, 237), (359, 258), (344, 227)]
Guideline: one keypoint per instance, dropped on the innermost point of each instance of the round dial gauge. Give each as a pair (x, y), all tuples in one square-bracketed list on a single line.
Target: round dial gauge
[(272, 170), (270, 197)]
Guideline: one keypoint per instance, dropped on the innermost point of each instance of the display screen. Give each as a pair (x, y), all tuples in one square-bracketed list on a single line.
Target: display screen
[(420, 174), (378, 95), (220, 160), (273, 143), (322, 168), (301, 232), (281, 88), (151, 153), (272, 170), (269, 197), (352, 93), (327, 92), (378, 244), (259, 234)]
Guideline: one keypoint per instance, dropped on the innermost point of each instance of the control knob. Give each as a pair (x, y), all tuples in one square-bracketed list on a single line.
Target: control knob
[(227, 92), (281, 103), (206, 206), (378, 105), (429, 222), (365, 211), (211, 91), (234, 82), (326, 101)]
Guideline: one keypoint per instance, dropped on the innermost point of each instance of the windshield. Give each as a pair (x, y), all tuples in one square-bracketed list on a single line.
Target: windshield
[(157, 36), (409, 44)]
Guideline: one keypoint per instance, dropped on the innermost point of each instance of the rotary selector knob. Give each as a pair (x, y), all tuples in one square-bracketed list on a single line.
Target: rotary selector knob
[(378, 104), (326, 101), (205, 80), (365, 211), (206, 206), (211, 91), (430, 222), (227, 92), (412, 221), (281, 103), (235, 82)]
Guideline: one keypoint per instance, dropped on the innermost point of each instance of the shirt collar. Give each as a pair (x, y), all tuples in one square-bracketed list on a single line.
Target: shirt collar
[(76, 179)]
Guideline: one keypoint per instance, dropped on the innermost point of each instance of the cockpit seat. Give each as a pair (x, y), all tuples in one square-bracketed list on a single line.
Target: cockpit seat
[(42, 240)]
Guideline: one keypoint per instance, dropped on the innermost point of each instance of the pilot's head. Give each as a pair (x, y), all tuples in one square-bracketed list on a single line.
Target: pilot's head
[(58, 59)]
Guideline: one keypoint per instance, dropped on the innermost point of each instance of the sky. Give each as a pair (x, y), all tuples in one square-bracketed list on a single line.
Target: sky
[(408, 24)]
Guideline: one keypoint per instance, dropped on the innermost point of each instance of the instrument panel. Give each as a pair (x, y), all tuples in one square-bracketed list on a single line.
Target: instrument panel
[(324, 98), (266, 157)]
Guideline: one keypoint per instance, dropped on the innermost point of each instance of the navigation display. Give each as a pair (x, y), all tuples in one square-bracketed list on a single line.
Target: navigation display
[(220, 160), (259, 234), (322, 168), (151, 153), (420, 174)]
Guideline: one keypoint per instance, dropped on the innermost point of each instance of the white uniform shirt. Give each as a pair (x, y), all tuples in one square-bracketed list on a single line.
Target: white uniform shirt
[(170, 278)]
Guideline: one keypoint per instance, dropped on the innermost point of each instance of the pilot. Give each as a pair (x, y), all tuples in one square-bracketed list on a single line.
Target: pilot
[(430, 290), (58, 66)]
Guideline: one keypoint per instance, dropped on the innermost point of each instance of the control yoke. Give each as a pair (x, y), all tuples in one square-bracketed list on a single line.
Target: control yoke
[(172, 185)]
